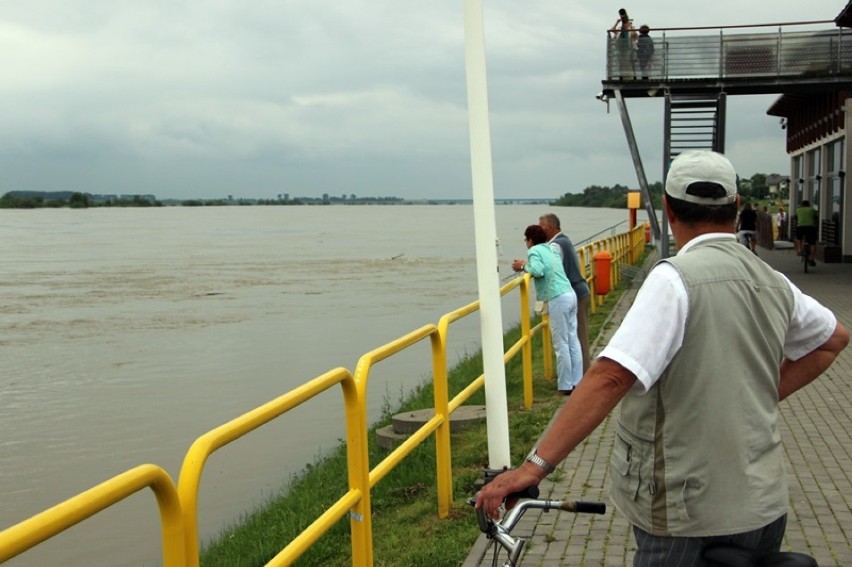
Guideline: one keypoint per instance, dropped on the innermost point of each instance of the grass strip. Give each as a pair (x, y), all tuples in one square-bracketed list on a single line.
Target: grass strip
[(406, 527)]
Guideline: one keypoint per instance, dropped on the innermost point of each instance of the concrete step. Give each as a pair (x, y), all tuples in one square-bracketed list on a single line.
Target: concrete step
[(403, 424)]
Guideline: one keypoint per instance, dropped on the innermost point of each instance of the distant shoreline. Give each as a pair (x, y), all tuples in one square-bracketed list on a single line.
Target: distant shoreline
[(77, 200)]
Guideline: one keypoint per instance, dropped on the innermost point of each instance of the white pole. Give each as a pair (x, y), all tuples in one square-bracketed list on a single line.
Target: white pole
[(488, 277)]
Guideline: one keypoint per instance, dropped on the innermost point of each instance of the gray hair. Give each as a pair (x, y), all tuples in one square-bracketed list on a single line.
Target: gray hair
[(551, 220)]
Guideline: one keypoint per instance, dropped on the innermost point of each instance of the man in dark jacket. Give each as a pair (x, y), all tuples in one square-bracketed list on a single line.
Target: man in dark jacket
[(571, 263)]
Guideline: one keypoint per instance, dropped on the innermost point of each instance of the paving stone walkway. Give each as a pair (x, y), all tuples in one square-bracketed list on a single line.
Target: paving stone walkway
[(817, 435)]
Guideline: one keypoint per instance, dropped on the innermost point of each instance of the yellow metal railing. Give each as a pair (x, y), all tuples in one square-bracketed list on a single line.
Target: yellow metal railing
[(178, 505), (44, 525), (207, 444), (625, 248)]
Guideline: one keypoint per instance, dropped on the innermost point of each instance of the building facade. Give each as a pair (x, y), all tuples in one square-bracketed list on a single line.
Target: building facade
[(816, 125)]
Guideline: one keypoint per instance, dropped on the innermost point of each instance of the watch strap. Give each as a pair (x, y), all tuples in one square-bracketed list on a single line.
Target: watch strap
[(538, 461)]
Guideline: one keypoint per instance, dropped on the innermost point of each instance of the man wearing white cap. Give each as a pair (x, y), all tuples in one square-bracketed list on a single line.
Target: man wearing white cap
[(698, 456)]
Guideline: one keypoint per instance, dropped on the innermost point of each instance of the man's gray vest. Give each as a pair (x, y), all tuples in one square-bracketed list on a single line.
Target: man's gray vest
[(571, 264), (700, 453)]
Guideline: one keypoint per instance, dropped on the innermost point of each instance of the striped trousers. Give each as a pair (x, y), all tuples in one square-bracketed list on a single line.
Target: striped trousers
[(656, 551)]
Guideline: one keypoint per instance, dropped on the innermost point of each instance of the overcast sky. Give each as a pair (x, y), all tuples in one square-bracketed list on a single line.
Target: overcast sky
[(254, 98)]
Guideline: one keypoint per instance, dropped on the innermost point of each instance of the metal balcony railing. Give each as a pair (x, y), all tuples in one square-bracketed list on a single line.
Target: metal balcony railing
[(730, 55)]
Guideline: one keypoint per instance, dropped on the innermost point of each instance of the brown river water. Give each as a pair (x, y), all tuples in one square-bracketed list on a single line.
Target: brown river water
[(128, 333)]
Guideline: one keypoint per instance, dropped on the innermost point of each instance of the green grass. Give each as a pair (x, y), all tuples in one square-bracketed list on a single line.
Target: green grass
[(406, 527)]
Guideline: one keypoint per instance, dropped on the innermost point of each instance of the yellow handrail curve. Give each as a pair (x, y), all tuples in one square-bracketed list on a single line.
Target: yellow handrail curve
[(44, 525), (189, 480)]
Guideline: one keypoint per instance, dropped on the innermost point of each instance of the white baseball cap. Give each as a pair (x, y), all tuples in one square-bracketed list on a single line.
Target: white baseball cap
[(702, 166)]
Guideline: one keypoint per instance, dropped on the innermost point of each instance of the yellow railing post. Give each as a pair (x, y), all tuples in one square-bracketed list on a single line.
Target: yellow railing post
[(443, 452), (526, 353), (361, 520), (189, 480), (618, 257), (358, 456)]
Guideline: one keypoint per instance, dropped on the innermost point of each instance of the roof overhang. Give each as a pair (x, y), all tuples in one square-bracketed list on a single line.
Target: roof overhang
[(844, 18), (786, 104)]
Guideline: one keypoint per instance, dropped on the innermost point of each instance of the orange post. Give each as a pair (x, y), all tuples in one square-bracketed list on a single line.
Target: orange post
[(647, 233), (603, 262), (633, 203)]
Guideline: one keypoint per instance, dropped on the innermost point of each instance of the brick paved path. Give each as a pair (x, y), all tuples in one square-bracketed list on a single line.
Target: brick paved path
[(817, 435)]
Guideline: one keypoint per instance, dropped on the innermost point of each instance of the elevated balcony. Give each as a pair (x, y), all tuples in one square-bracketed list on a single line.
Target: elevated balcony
[(735, 60)]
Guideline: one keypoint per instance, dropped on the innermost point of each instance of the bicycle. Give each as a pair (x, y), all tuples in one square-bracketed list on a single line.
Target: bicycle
[(500, 532), (804, 235), (806, 254), (748, 239), (720, 555)]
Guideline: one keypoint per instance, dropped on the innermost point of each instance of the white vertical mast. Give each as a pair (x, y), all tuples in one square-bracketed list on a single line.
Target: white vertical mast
[(488, 277)]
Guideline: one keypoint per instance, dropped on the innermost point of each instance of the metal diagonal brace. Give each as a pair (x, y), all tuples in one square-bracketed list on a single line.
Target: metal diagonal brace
[(637, 164)]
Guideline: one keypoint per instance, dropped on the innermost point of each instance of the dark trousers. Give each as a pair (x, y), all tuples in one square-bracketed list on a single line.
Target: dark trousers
[(654, 551)]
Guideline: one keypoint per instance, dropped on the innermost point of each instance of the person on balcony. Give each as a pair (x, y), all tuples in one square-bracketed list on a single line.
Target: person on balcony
[(625, 37), (644, 51)]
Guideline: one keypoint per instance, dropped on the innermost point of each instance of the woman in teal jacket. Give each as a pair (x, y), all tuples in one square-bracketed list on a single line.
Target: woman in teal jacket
[(552, 286)]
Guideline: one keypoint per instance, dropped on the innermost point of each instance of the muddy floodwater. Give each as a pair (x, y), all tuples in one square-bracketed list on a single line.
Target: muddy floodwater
[(128, 333)]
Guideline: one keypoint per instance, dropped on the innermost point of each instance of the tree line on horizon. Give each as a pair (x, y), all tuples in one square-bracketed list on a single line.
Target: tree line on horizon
[(79, 200), (73, 200), (750, 189)]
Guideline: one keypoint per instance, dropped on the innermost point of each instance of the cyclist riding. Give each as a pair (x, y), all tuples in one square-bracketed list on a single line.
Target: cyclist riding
[(747, 227), (806, 227)]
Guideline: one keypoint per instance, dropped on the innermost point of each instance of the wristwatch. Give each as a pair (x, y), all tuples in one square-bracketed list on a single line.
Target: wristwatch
[(538, 461)]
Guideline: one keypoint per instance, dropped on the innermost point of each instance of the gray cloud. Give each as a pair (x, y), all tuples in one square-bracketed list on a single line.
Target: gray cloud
[(206, 99)]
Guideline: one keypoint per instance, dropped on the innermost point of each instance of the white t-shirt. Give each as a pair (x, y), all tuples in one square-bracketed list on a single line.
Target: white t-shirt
[(652, 331)]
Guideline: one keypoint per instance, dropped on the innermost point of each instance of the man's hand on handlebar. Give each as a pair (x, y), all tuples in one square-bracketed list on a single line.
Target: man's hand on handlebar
[(517, 480)]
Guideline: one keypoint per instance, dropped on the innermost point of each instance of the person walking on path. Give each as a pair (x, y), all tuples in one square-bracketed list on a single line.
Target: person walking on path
[(571, 263), (806, 228), (781, 224), (695, 365), (552, 286), (747, 227)]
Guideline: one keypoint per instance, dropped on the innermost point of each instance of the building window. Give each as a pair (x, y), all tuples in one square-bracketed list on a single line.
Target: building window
[(798, 181), (836, 173), (814, 177)]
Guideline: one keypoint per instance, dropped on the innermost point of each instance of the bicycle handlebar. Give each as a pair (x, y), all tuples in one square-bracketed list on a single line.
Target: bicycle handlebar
[(500, 531), (589, 507)]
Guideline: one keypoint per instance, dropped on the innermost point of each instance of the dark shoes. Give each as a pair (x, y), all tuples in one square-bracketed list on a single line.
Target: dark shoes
[(565, 392)]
